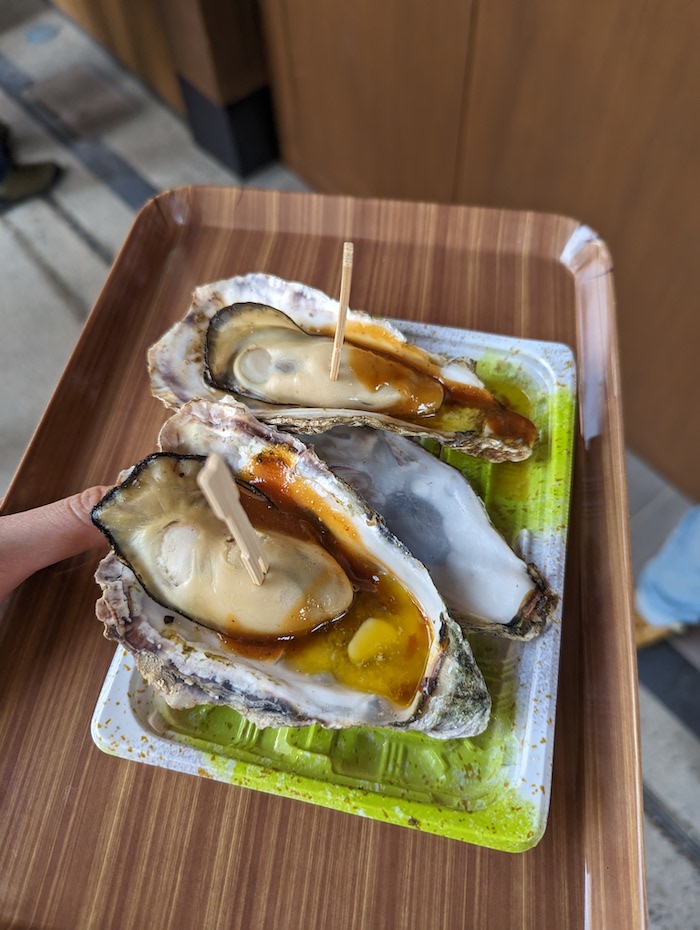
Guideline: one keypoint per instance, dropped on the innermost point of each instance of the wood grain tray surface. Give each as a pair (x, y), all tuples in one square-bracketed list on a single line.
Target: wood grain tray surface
[(89, 840)]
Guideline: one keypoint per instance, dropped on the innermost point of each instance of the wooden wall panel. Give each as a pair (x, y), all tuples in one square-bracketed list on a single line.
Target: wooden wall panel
[(585, 110), (369, 95), (217, 47), (595, 116), (132, 31)]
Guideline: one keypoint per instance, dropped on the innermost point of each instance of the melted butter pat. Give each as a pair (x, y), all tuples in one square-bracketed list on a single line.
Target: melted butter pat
[(391, 656)]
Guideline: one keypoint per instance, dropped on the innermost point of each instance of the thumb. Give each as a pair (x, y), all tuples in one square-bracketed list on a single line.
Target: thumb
[(36, 538)]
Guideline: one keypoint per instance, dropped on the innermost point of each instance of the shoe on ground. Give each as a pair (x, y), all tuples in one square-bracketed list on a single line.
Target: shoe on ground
[(24, 181), (5, 141), (646, 634)]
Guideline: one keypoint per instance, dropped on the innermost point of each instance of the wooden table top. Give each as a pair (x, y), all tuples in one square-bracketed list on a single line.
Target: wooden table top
[(89, 840)]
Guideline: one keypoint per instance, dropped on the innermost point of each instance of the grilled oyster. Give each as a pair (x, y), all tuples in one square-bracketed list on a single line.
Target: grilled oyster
[(380, 648), (267, 342), (433, 509), (160, 524)]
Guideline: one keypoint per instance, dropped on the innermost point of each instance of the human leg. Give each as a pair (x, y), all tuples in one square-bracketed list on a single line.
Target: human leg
[(20, 182)]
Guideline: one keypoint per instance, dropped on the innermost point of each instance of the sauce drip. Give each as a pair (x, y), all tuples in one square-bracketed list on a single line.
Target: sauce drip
[(420, 395), (465, 407), (501, 420)]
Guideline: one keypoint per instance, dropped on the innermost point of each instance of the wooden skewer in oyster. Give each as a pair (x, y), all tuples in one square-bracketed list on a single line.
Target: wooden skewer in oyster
[(221, 492), (345, 279)]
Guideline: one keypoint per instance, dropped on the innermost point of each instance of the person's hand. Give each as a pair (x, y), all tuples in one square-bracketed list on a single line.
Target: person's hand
[(36, 538)]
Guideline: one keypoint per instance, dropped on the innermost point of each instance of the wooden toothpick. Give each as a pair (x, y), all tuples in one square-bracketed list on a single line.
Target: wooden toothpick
[(345, 278), (221, 491)]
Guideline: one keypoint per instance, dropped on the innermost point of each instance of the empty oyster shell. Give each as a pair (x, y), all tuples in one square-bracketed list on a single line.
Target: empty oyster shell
[(433, 509), (392, 658), (267, 342)]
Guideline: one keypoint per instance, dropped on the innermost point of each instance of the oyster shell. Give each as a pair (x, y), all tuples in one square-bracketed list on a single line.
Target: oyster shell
[(226, 347), (352, 669), (433, 509)]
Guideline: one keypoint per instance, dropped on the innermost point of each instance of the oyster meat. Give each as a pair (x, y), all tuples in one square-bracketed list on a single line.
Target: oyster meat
[(267, 343), (433, 509), (351, 630), (160, 524)]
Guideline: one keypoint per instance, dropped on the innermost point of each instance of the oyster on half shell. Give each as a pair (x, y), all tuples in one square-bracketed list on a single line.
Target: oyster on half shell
[(160, 524), (375, 645), (267, 343)]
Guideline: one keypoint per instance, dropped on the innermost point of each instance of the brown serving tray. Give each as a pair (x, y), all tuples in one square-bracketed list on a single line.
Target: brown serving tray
[(89, 840)]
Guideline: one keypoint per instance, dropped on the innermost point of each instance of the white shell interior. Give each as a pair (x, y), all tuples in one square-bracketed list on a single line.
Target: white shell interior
[(433, 509)]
